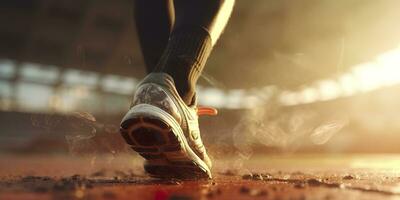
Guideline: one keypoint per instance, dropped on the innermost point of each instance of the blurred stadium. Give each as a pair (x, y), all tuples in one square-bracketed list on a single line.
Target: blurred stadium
[(305, 76)]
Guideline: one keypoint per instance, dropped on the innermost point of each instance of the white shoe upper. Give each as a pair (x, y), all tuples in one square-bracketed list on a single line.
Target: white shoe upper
[(158, 89)]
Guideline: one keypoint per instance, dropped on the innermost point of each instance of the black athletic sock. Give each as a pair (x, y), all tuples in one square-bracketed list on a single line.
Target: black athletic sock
[(184, 58)]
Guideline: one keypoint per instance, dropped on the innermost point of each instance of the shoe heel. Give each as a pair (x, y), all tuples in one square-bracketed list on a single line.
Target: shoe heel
[(154, 134), (149, 136), (147, 132)]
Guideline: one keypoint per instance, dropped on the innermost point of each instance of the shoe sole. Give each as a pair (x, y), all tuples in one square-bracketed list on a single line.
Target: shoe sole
[(153, 134)]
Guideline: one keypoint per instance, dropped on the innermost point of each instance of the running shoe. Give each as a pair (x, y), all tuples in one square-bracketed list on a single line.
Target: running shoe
[(165, 131)]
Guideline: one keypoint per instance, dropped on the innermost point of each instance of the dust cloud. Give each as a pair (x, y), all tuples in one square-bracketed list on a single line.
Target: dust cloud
[(84, 135), (282, 129)]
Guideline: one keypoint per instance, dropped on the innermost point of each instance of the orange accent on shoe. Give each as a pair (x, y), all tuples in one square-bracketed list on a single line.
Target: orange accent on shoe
[(206, 111)]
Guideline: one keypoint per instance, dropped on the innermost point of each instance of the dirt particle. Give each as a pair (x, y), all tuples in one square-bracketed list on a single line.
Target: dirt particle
[(267, 176), (348, 177), (247, 176), (255, 177), (299, 185), (258, 177), (244, 190), (314, 182), (64, 184), (76, 177), (286, 177), (36, 178)]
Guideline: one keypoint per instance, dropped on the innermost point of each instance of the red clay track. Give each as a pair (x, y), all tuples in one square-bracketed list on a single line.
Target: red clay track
[(263, 177)]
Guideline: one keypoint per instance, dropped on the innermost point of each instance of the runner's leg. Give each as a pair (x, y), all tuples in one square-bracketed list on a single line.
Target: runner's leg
[(198, 25), (154, 22)]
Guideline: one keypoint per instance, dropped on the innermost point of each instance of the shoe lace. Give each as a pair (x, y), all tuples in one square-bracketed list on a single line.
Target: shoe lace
[(203, 110)]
